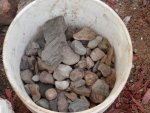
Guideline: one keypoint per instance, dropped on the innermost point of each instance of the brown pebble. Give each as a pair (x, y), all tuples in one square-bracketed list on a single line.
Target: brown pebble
[(62, 102), (90, 78), (72, 96), (105, 69), (82, 91), (50, 94), (76, 74), (82, 64), (109, 56), (46, 77), (26, 76), (34, 88), (97, 54), (103, 59), (104, 45), (85, 34), (89, 62), (111, 79)]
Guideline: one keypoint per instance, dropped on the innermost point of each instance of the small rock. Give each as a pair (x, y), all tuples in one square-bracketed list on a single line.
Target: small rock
[(105, 70), (89, 62), (62, 103), (82, 64), (69, 32), (95, 68), (44, 88), (44, 66), (85, 34), (100, 87), (82, 91), (26, 76), (104, 45), (109, 56), (61, 85), (34, 88), (46, 77), (62, 72), (24, 63), (94, 43), (32, 49), (90, 78), (69, 57), (97, 98), (111, 79), (41, 41), (86, 100), (78, 105), (43, 103), (72, 96), (78, 47), (97, 54), (127, 19), (31, 61), (27, 89), (35, 78), (103, 59), (88, 51), (76, 74), (53, 104), (50, 94), (78, 83)]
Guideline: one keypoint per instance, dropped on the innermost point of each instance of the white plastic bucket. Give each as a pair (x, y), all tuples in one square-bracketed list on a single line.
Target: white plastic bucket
[(93, 13)]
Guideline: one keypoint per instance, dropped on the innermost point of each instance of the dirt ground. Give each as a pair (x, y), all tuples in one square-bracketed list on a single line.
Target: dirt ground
[(131, 98)]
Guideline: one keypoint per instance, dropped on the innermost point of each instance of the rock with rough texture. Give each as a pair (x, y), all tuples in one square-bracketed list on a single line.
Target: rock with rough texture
[(85, 34), (62, 103), (103, 59), (82, 91), (26, 76), (90, 78), (95, 68), (43, 103), (97, 54), (53, 104), (72, 96), (111, 79), (24, 63), (78, 105), (61, 85), (27, 89), (100, 87), (109, 56), (89, 62), (94, 43), (62, 72), (46, 77), (36, 78), (88, 51), (69, 56), (104, 45), (44, 88), (32, 49), (78, 83), (50, 94), (78, 47), (105, 69), (82, 64), (35, 93), (76, 74), (96, 98), (44, 66), (85, 99), (31, 61)]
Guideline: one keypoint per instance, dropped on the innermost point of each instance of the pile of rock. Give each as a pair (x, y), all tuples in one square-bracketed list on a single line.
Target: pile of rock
[(68, 69)]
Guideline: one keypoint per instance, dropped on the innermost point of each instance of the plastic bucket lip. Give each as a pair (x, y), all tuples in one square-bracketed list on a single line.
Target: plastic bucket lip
[(104, 104)]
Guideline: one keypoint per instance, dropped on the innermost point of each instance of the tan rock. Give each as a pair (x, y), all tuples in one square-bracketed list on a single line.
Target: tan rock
[(97, 54), (104, 45), (26, 76), (82, 64), (109, 56), (82, 91), (89, 62), (111, 79), (50, 94), (72, 96), (105, 69), (46, 77), (76, 74)]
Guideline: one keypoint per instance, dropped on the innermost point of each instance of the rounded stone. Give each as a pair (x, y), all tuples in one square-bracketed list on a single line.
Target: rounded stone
[(51, 94), (61, 85)]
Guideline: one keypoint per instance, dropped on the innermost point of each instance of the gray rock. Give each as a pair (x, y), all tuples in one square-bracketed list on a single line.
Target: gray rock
[(32, 49), (76, 74), (62, 103), (78, 47), (35, 78), (31, 61), (95, 68), (85, 34), (62, 72), (41, 42), (53, 105), (34, 88), (78, 83), (85, 99), (78, 105), (100, 87), (50, 94), (43, 103), (26, 76), (105, 69), (82, 91), (69, 32), (94, 43), (88, 51), (27, 89), (69, 56), (61, 85), (24, 63), (97, 54), (46, 77)]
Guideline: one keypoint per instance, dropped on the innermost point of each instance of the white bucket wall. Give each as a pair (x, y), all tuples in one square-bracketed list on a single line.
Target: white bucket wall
[(79, 13)]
